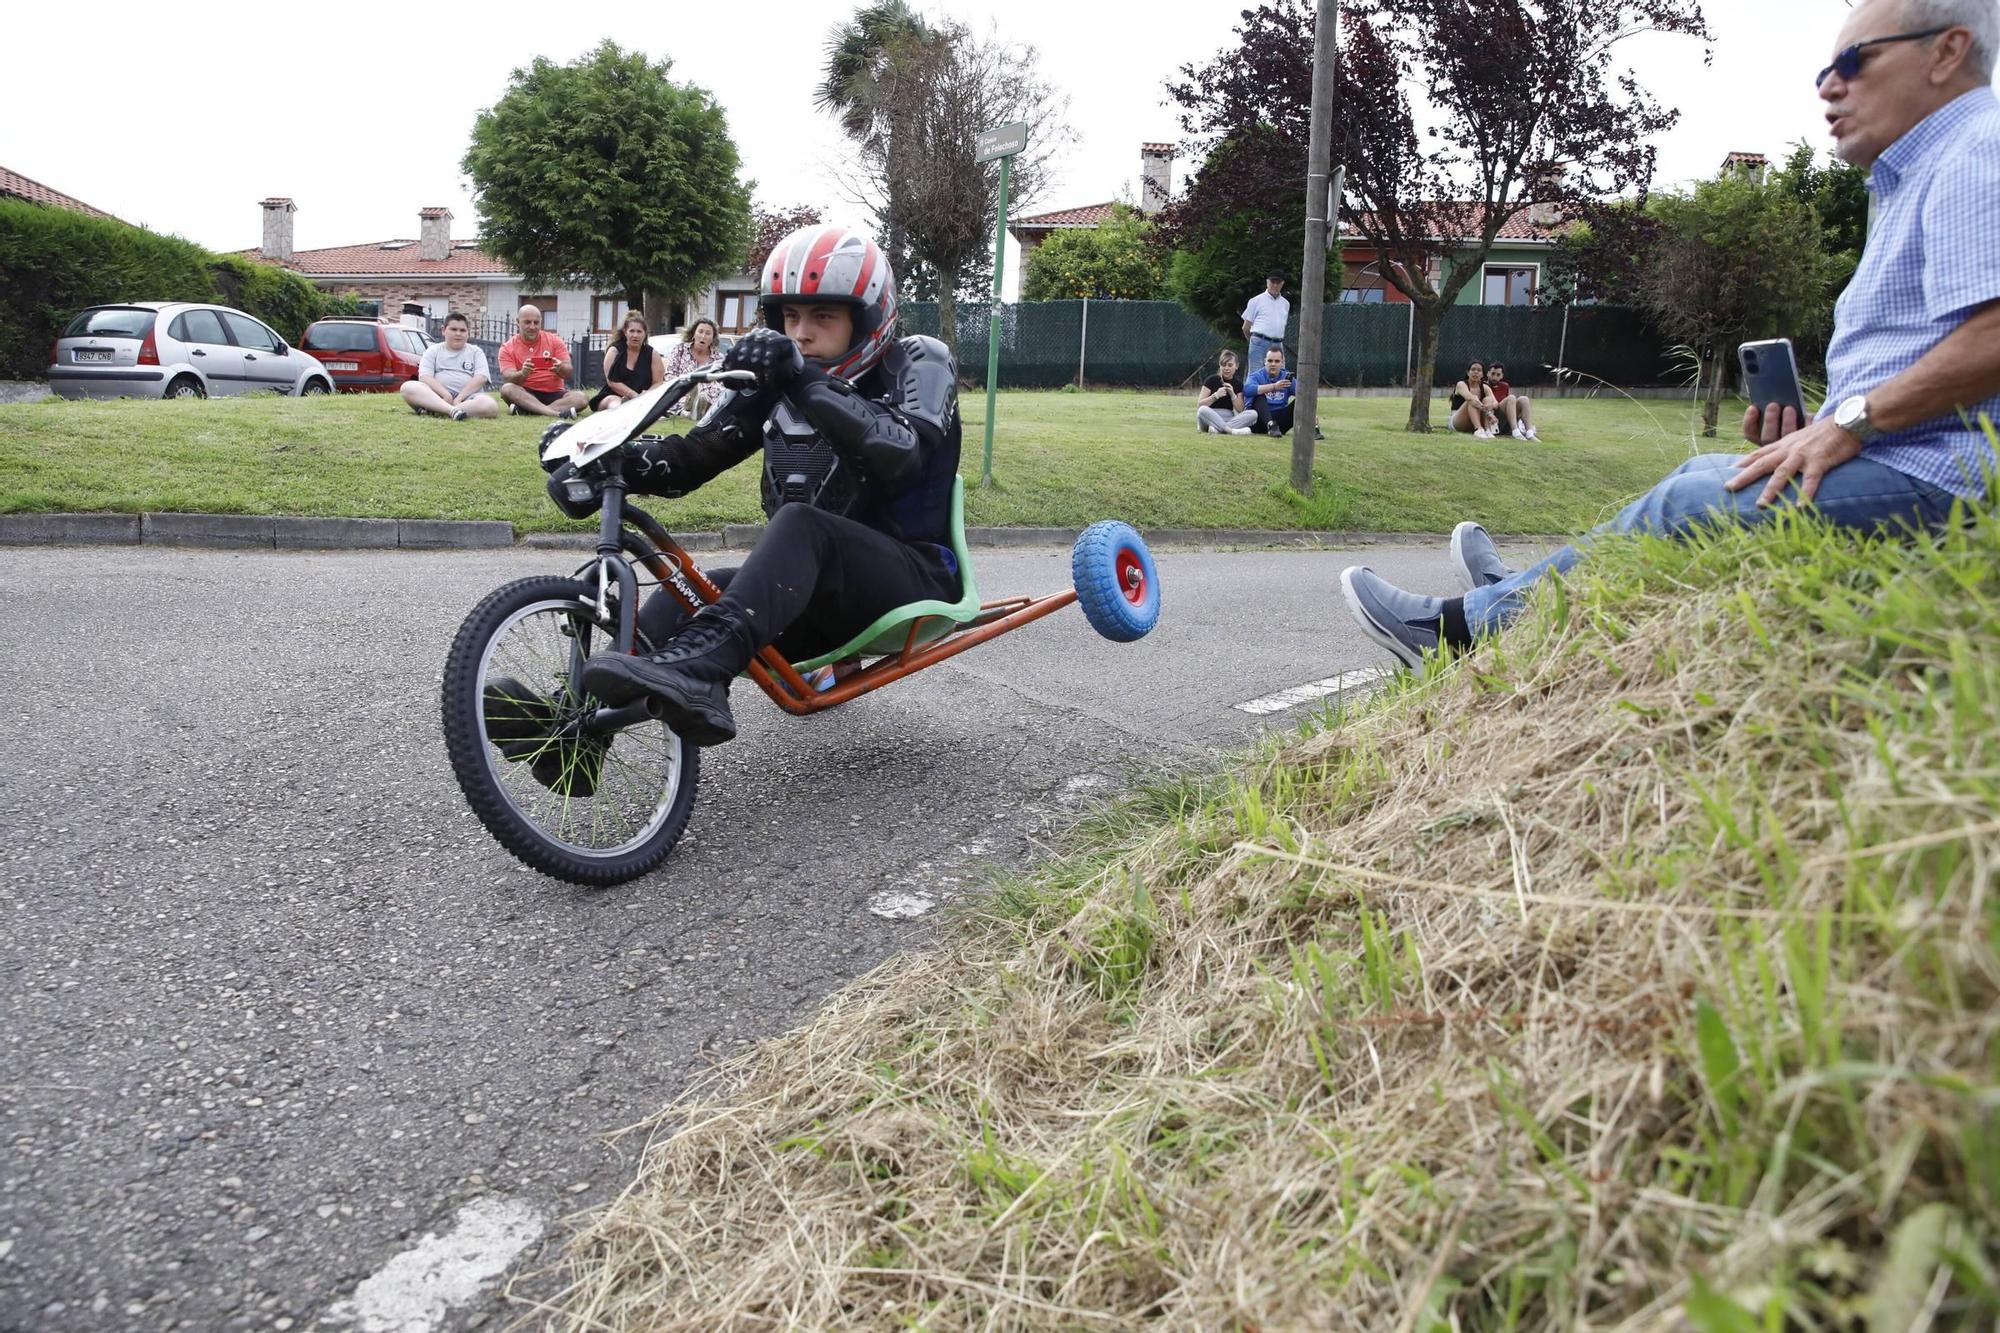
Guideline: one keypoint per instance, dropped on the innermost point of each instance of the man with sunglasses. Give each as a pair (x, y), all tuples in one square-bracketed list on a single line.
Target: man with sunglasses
[(1915, 356)]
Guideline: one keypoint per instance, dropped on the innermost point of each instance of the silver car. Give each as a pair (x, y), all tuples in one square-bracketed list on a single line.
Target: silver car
[(176, 349)]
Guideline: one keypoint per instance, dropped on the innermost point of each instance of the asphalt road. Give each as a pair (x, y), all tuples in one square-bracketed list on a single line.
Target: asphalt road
[(277, 1008)]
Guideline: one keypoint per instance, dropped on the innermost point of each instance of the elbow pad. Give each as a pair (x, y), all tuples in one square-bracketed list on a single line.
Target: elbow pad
[(878, 442)]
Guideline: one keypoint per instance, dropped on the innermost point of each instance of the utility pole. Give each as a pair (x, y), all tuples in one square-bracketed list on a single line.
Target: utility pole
[(1312, 288), (1003, 142)]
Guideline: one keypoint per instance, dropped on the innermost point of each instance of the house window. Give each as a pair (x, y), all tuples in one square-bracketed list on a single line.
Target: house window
[(739, 311), (606, 311), (435, 307), (545, 304), (1364, 285), (1506, 285)]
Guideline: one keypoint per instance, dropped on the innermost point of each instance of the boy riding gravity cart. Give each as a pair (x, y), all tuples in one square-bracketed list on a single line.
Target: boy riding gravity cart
[(864, 556)]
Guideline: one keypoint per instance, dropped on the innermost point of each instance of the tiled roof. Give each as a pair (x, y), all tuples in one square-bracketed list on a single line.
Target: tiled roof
[(392, 259), (1156, 148), (1090, 215), (14, 185), (1520, 226)]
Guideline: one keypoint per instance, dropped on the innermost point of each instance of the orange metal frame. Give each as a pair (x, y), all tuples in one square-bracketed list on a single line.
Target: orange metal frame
[(670, 563)]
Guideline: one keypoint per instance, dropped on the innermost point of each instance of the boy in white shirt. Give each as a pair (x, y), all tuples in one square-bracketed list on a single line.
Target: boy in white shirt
[(452, 378)]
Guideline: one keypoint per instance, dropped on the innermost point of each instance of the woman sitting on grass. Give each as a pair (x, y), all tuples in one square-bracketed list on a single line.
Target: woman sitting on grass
[(695, 351), (1219, 407), (1474, 411), (631, 366)]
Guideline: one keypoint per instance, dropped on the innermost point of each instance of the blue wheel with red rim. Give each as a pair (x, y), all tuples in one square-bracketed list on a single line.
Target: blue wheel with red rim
[(1117, 584)]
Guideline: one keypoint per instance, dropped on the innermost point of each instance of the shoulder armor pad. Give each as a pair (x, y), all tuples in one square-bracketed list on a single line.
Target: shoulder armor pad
[(923, 379)]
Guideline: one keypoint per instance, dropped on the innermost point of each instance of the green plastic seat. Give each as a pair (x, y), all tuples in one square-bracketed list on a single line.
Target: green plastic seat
[(890, 631)]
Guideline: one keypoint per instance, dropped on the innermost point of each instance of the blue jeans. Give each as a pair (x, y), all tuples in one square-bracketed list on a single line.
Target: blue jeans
[(1860, 493), (1259, 344)]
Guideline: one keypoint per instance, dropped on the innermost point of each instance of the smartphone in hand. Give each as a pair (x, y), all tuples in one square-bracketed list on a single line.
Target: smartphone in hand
[(1771, 375)]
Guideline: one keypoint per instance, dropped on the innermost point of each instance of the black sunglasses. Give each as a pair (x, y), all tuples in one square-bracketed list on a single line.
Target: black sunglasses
[(1847, 63)]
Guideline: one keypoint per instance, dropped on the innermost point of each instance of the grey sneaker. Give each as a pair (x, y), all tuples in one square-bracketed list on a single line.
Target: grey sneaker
[(1403, 622), (567, 414), (458, 414), (1475, 559)]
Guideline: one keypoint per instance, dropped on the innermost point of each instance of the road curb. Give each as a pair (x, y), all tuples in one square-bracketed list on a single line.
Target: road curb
[(286, 532)]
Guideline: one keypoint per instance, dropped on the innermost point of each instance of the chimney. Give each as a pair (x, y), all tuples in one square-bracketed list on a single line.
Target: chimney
[(277, 245), (1544, 179), (1156, 176), (434, 233)]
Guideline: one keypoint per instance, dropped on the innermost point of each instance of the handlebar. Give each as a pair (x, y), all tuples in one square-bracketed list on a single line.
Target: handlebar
[(593, 439)]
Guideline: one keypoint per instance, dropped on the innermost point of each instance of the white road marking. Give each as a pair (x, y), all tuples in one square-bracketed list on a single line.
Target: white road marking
[(901, 906), (1318, 689), (414, 1290)]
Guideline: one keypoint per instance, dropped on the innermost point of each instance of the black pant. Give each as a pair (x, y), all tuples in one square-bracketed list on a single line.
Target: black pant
[(814, 581), (1266, 414)]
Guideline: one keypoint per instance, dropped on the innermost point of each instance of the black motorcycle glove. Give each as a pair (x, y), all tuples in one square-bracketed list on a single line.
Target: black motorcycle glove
[(769, 355)]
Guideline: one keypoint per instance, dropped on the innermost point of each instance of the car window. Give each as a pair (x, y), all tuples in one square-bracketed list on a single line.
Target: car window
[(248, 333), (408, 341), (340, 338), (111, 322), (199, 326)]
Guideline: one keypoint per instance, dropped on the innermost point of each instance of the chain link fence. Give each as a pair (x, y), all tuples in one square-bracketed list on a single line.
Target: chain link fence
[(1158, 344)]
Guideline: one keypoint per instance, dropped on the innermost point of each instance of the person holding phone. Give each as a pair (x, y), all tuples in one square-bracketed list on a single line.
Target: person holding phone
[(535, 370), (1915, 359), (1473, 409), (1219, 406)]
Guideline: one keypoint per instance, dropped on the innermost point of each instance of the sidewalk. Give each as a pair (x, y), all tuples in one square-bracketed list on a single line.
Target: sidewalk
[(266, 532)]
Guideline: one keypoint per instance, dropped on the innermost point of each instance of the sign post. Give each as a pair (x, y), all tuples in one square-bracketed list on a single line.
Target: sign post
[(1003, 142)]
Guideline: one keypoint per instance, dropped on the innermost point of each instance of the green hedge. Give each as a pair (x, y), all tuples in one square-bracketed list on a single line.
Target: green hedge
[(54, 262)]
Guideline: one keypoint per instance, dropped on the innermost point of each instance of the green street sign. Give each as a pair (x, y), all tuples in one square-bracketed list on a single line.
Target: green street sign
[(1000, 141)]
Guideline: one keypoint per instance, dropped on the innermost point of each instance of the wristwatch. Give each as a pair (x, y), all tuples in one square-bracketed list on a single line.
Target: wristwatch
[(1852, 417)]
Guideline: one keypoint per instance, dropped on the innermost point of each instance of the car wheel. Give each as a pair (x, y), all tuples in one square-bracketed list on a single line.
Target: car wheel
[(315, 387), (186, 386)]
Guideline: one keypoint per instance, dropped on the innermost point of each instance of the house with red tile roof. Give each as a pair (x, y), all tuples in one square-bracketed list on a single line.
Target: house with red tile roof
[(1156, 168), (1512, 273), (442, 273), (13, 185)]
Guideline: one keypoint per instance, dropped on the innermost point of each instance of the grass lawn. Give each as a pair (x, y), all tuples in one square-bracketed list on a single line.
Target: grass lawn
[(1635, 970), (1060, 459)]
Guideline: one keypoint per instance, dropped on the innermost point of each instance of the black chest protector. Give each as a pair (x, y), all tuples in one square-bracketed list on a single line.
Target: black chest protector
[(801, 468)]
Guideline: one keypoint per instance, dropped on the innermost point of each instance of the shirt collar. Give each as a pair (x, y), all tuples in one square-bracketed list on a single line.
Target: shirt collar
[(1928, 134)]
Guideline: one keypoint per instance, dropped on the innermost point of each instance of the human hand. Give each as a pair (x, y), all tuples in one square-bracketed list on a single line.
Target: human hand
[(1790, 451), (769, 355)]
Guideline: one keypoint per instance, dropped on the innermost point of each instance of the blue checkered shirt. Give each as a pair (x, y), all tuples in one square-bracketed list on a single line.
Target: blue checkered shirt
[(1932, 258)]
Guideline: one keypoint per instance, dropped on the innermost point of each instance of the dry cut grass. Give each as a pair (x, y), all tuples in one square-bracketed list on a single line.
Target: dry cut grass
[(1637, 971)]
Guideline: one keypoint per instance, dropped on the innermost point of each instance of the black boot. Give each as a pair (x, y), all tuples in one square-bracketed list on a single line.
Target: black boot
[(688, 680)]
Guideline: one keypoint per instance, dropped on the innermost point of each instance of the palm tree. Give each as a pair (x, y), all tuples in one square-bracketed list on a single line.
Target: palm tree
[(857, 54), (854, 88)]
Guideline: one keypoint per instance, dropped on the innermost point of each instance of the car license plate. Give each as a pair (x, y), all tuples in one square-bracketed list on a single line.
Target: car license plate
[(92, 354), (343, 365)]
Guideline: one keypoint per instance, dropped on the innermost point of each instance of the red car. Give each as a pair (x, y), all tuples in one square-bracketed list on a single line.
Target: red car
[(365, 355)]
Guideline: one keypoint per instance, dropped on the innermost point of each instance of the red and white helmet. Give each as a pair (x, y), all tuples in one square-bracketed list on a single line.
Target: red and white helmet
[(835, 266)]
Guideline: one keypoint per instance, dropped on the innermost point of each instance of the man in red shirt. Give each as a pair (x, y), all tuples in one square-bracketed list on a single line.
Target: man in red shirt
[(535, 369)]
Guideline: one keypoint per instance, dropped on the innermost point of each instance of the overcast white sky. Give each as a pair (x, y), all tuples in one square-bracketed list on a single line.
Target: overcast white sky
[(182, 120)]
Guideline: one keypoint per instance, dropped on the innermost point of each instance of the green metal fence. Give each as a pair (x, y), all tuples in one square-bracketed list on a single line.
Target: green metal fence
[(1158, 344)]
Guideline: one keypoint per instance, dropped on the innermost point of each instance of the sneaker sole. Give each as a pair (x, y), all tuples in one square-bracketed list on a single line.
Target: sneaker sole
[(1459, 566), (1373, 630)]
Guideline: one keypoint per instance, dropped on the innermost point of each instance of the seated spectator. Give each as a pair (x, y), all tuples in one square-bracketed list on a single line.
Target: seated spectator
[(1271, 389), (697, 350), (1473, 409), (537, 369), (1915, 357), (452, 378), (631, 366), (1220, 406), (1517, 410)]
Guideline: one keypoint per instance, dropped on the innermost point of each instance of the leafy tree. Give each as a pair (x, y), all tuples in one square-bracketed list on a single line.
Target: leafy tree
[(1732, 260), (1838, 197), (1115, 259), (1552, 121), (768, 226), (606, 172), (854, 85)]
